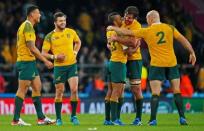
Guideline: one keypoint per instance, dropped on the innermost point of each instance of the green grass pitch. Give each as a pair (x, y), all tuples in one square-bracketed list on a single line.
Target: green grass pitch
[(166, 122)]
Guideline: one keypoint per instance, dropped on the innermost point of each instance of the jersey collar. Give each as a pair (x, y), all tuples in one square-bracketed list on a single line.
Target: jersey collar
[(156, 23), (28, 21)]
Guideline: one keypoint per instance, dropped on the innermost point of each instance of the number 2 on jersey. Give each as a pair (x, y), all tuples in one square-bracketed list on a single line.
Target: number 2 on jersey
[(161, 39)]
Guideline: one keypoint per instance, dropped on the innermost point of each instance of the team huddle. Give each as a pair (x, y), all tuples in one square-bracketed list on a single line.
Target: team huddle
[(62, 46), (123, 38)]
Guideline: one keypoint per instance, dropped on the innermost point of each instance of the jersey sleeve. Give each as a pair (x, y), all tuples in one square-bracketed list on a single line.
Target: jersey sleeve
[(176, 33), (29, 32), (47, 43), (108, 34), (76, 37), (141, 33)]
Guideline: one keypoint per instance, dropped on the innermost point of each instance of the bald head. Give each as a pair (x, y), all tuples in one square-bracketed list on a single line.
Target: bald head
[(153, 17)]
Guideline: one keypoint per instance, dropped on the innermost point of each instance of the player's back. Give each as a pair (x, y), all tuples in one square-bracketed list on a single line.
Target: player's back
[(25, 33), (159, 38)]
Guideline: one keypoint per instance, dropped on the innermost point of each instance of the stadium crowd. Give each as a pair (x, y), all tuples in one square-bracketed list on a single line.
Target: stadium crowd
[(89, 19)]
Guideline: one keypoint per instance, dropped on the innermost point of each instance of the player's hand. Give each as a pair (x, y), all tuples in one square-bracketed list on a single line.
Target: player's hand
[(49, 64), (112, 38), (137, 43), (130, 51), (192, 59), (126, 50), (108, 46), (60, 57), (110, 28)]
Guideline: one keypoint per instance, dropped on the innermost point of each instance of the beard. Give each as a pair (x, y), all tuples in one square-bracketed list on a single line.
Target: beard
[(127, 22), (61, 27), (37, 20)]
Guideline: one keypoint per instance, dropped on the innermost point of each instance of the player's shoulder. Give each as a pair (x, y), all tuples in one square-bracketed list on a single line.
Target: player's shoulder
[(27, 26), (168, 26), (69, 30), (137, 23), (109, 33), (49, 35)]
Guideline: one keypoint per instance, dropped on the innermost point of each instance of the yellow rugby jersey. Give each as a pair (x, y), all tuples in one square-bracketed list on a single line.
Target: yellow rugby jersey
[(25, 33), (117, 54), (159, 38), (134, 26), (62, 42)]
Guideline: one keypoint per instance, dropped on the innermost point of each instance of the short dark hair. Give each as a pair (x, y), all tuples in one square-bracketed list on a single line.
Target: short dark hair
[(132, 10), (30, 9), (58, 14), (111, 17)]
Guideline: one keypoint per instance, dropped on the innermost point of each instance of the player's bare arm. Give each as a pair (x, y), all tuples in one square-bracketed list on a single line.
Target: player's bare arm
[(127, 41), (186, 44), (36, 52), (120, 31), (59, 57), (131, 50), (77, 46)]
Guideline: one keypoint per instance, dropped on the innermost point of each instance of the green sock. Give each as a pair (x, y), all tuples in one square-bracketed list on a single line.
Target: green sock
[(154, 106), (107, 110), (74, 107), (139, 104), (38, 107), (179, 104), (120, 103), (18, 107), (114, 108), (58, 108)]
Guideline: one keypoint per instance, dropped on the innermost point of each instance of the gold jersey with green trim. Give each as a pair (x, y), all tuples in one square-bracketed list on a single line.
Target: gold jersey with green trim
[(25, 33), (62, 42), (159, 38), (117, 53), (134, 26)]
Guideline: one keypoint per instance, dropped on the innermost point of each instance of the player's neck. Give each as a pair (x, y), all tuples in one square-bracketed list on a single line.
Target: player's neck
[(58, 30), (155, 23), (31, 21)]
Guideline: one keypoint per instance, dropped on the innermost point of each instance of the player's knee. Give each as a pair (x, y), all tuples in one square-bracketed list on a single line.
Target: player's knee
[(108, 96), (58, 95), (36, 90), (59, 92), (74, 91), (21, 92), (115, 95)]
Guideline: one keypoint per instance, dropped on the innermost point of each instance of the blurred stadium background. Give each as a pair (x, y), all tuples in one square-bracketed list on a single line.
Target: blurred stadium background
[(89, 18)]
